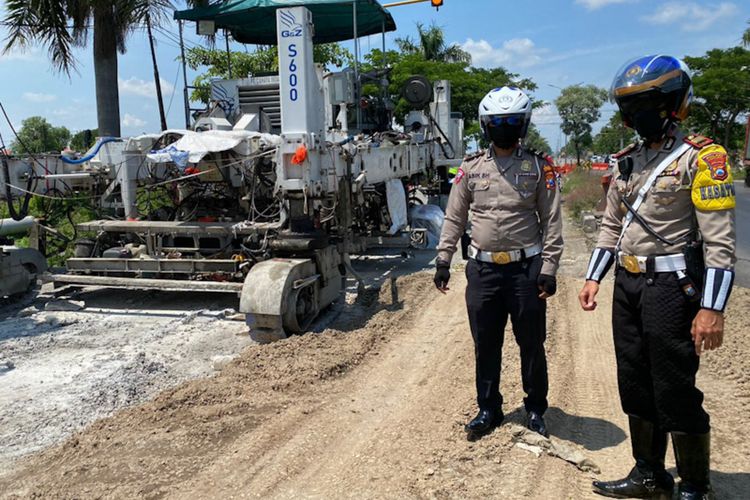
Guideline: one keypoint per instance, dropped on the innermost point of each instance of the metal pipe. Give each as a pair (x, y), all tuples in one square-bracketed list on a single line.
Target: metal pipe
[(184, 78), (82, 175), (404, 2), (10, 226)]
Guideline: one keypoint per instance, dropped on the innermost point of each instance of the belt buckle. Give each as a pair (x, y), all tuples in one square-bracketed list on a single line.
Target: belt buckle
[(501, 258), (631, 265)]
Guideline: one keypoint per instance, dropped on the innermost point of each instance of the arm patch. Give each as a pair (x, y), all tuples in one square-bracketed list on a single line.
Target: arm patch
[(459, 175), (713, 185), (550, 182)]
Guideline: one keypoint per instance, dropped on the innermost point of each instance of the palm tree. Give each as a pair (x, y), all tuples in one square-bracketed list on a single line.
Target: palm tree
[(746, 37), (432, 46), (63, 25)]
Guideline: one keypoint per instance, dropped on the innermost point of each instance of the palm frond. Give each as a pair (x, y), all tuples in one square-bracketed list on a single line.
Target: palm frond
[(455, 54), (79, 12), (42, 21)]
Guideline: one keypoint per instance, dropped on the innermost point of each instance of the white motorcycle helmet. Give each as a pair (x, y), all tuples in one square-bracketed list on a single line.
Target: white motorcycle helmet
[(507, 108)]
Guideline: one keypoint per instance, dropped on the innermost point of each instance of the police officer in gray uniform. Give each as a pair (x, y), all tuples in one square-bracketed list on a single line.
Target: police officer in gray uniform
[(516, 244), (669, 227)]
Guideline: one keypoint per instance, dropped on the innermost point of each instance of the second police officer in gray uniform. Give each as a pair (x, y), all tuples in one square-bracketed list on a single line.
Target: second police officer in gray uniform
[(516, 244), (670, 228)]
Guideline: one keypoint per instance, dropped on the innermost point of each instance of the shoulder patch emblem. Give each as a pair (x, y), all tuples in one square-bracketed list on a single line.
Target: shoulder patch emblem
[(459, 175), (526, 166), (717, 163), (549, 178), (713, 185), (698, 141)]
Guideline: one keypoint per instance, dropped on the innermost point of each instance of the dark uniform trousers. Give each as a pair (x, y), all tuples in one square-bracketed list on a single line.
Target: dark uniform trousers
[(656, 359), (495, 291)]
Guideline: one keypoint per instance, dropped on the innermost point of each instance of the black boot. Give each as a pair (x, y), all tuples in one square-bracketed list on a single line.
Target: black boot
[(693, 455), (483, 423), (648, 479)]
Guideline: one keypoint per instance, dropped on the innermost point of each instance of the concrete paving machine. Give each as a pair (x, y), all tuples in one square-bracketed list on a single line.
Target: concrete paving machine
[(278, 182)]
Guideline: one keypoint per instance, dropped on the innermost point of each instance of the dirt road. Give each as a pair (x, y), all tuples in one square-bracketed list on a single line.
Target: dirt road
[(374, 408)]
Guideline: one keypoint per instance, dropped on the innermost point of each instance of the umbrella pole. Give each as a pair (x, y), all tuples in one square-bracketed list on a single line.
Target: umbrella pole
[(184, 78), (356, 65), (385, 56), (229, 54)]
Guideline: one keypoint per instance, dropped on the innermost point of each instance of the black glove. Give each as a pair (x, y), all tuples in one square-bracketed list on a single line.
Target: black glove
[(442, 275), (547, 284)]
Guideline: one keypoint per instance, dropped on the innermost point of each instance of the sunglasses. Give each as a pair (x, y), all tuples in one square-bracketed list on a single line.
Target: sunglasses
[(497, 121)]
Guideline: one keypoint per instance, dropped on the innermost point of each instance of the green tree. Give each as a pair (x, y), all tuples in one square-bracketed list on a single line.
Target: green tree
[(579, 107), (468, 85), (534, 140), (38, 136), (431, 45), (64, 25), (83, 140), (265, 59), (746, 37), (722, 90), (612, 137)]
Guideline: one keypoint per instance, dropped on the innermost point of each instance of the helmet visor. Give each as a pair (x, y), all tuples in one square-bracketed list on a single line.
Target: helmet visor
[(500, 120)]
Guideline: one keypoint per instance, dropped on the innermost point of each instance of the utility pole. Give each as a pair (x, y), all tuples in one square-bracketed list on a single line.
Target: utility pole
[(157, 79)]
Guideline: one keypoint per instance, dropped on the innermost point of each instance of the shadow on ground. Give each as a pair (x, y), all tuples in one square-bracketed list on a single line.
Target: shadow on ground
[(589, 432)]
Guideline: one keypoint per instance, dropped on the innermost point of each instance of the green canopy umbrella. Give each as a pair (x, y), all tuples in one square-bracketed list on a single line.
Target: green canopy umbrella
[(254, 21)]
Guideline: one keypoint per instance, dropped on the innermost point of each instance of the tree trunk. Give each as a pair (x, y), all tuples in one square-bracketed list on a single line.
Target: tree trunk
[(157, 79), (728, 130), (105, 71)]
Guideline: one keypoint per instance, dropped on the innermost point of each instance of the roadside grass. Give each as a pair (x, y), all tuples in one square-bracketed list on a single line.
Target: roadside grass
[(582, 191)]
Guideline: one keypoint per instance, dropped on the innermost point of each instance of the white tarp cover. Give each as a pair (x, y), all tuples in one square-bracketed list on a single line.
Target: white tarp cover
[(396, 196), (193, 146)]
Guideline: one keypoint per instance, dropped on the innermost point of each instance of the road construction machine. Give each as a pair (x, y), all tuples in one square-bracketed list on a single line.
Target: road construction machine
[(272, 188)]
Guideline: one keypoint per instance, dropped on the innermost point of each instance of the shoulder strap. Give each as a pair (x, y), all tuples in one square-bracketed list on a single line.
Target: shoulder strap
[(698, 141), (627, 150), (677, 153)]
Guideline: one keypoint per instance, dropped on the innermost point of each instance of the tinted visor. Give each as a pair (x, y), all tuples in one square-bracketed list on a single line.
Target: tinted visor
[(497, 120), (653, 100)]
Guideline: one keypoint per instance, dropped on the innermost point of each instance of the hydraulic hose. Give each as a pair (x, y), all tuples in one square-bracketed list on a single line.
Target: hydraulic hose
[(99, 143)]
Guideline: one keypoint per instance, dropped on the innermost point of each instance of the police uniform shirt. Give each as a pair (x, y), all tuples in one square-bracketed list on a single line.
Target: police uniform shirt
[(514, 204), (696, 191)]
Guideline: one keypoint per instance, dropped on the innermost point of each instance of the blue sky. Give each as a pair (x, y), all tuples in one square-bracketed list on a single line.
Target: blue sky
[(554, 42)]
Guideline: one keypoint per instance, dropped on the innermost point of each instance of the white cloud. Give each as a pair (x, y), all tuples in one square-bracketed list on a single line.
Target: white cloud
[(38, 97), (546, 115), (131, 121), (143, 88), (519, 52), (691, 16), (21, 54), (598, 4), (63, 112)]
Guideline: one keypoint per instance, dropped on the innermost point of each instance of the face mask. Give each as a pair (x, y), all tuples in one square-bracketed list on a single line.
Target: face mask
[(650, 125), (505, 136)]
